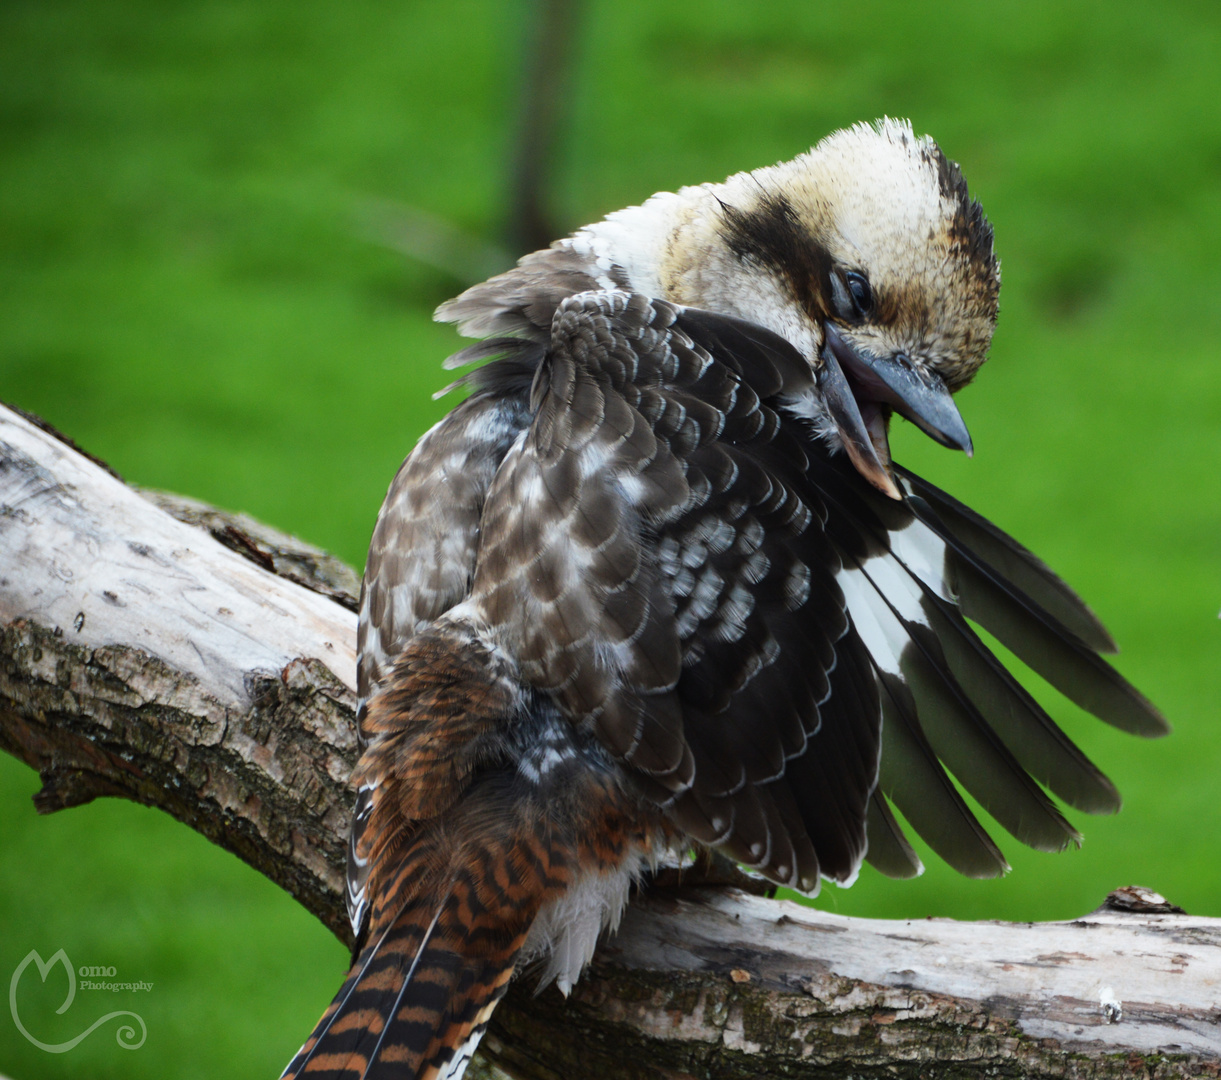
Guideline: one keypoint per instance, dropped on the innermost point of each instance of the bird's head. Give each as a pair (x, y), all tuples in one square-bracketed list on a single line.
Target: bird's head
[(866, 253)]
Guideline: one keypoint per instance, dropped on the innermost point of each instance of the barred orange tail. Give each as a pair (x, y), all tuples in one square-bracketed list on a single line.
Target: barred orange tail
[(415, 1003), (483, 836)]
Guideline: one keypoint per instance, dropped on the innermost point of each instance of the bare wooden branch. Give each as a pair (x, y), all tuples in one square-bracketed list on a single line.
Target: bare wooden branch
[(714, 983), (142, 656)]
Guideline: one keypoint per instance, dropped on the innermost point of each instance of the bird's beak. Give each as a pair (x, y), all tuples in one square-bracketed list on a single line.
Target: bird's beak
[(860, 389)]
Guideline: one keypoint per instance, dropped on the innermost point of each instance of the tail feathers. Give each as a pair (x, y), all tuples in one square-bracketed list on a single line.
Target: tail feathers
[(413, 1007)]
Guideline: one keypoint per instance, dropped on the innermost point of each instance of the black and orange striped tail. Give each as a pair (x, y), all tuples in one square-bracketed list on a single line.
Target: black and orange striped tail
[(414, 1005)]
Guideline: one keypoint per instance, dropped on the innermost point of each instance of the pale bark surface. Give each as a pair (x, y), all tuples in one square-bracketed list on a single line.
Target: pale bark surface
[(204, 664), (142, 658)]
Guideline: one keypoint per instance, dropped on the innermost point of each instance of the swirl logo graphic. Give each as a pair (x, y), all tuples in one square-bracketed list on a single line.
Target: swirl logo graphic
[(125, 1035)]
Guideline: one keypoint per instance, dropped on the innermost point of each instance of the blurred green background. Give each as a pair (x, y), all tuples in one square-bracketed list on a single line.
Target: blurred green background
[(191, 288)]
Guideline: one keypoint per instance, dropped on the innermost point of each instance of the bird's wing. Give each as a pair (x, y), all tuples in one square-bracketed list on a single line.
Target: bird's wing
[(422, 555), (674, 557), (914, 572), (653, 555)]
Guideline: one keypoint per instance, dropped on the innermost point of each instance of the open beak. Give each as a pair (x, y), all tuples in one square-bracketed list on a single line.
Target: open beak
[(860, 389)]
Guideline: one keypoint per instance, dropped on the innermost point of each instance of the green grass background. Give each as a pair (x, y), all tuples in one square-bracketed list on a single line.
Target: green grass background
[(185, 289)]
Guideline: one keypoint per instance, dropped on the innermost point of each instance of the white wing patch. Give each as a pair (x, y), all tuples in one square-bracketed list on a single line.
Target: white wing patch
[(874, 620), (886, 588), (922, 551)]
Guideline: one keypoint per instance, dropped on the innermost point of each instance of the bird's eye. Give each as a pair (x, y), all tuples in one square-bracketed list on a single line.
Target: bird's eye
[(851, 296), (859, 290)]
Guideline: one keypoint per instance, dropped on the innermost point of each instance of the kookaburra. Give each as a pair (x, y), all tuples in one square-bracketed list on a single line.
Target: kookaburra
[(656, 583)]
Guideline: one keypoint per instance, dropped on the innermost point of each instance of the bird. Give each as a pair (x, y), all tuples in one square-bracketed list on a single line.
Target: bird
[(656, 585)]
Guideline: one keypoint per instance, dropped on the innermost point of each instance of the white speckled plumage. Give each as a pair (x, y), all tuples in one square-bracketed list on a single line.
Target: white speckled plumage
[(657, 582)]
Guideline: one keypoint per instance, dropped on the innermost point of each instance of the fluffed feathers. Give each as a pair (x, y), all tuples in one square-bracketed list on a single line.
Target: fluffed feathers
[(482, 821), (658, 577)]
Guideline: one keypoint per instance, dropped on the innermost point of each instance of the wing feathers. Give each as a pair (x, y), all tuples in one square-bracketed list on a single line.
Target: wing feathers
[(1056, 654), (834, 779), (889, 849), (1035, 739), (970, 748), (913, 779), (664, 553), (1014, 563), (627, 581), (963, 697)]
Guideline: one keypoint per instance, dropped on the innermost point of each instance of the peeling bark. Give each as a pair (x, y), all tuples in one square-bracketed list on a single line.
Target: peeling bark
[(156, 649)]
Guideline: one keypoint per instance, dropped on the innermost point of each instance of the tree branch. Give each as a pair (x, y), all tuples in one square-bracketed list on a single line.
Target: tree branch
[(141, 657), (204, 664)]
